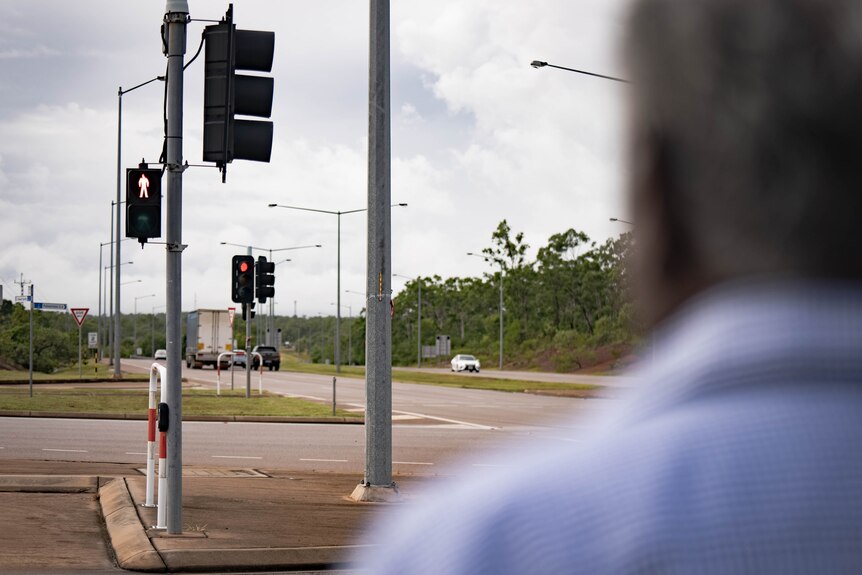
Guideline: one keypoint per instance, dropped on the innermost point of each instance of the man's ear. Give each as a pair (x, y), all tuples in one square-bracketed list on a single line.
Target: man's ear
[(665, 257)]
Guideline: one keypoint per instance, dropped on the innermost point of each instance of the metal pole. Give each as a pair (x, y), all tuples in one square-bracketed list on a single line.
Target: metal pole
[(333, 395), (419, 327), (110, 292), (80, 374), (117, 243), (338, 305), (99, 322), (378, 379), (248, 345), (176, 17), (31, 341), (501, 318)]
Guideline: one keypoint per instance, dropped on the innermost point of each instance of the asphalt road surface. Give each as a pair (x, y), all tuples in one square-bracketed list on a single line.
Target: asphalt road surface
[(433, 428)]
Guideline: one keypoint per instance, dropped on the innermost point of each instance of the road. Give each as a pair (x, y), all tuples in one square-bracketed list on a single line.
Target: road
[(432, 428)]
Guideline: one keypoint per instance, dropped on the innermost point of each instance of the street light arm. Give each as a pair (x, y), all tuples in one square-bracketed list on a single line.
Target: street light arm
[(267, 249), (540, 64), (294, 248), (306, 209), (120, 91), (335, 213)]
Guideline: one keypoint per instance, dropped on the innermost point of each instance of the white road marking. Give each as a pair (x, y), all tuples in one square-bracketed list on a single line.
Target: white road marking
[(455, 421), (411, 463), (326, 460), (68, 450), (235, 457)]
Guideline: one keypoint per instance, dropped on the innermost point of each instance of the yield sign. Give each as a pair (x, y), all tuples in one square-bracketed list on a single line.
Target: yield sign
[(80, 313), (231, 312)]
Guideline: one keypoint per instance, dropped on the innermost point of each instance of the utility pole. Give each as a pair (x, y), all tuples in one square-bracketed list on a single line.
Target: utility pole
[(176, 18), (247, 317), (22, 282), (378, 485), (30, 376)]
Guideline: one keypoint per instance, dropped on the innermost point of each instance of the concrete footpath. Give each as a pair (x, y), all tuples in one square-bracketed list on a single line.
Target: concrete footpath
[(67, 517)]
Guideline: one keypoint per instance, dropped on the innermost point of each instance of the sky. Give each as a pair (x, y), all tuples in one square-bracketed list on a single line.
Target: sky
[(478, 136)]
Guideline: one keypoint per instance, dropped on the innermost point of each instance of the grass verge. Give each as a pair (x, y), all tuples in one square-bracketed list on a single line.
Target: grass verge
[(446, 379), (88, 371), (195, 402)]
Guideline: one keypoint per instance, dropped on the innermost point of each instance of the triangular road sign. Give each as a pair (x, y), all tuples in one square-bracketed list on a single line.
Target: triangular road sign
[(80, 313)]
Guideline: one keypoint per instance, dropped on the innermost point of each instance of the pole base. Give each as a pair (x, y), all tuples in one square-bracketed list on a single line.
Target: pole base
[(376, 493)]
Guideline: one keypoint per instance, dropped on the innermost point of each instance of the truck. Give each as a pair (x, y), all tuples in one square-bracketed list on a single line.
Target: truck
[(208, 333), (269, 355)]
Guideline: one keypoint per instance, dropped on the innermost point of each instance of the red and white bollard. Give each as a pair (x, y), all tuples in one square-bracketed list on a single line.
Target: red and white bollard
[(151, 436), (157, 376), (162, 512)]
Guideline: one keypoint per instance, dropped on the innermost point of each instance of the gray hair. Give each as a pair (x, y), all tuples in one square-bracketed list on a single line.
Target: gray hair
[(757, 107)]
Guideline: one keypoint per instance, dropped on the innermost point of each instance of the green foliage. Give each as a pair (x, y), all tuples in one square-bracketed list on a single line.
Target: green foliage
[(55, 338), (571, 300)]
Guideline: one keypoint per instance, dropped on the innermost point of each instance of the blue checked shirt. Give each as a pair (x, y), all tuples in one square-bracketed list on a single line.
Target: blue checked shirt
[(739, 452)]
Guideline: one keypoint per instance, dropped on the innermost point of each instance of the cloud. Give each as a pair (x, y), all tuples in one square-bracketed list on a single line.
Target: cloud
[(477, 136)]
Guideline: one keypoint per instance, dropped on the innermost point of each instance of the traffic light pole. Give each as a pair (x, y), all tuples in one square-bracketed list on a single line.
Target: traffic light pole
[(378, 485), (176, 18), (247, 316)]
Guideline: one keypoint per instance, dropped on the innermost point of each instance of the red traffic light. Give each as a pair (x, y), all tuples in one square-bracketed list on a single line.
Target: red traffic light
[(243, 267)]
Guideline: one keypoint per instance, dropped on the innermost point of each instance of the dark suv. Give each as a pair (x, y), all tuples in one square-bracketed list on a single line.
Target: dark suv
[(270, 356)]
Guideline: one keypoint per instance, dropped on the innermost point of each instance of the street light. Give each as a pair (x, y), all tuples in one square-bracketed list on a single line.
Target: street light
[(484, 257), (101, 273), (135, 337), (110, 324), (153, 328), (419, 319), (621, 221), (271, 320), (540, 64), (338, 273), (120, 93), (349, 333)]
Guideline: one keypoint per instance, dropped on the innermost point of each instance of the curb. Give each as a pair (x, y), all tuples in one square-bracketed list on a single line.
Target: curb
[(282, 558), (216, 418), (131, 545)]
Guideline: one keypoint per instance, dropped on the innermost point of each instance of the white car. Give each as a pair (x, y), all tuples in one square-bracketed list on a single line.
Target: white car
[(161, 354), (462, 362)]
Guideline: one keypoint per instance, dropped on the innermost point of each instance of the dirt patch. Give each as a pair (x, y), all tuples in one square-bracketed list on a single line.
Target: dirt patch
[(606, 359)]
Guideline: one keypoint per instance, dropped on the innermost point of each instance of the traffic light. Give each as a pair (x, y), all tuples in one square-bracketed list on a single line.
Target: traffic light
[(227, 93), (242, 284), (143, 203), (265, 279), (248, 311)]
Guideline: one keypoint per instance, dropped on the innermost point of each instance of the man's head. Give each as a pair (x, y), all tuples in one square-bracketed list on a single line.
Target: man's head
[(746, 142)]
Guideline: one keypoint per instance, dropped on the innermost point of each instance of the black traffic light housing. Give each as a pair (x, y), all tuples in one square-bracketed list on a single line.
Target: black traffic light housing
[(247, 311), (242, 279), (227, 93), (143, 203), (265, 279)]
